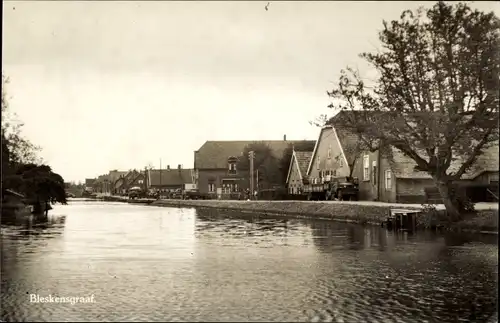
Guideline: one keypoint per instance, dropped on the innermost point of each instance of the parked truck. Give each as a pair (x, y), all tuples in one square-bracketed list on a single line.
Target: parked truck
[(332, 188)]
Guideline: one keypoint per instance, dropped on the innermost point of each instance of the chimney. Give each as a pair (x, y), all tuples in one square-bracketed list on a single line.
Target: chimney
[(179, 167), (284, 137), (168, 167)]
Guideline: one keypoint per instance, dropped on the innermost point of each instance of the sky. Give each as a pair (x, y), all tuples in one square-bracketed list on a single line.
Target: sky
[(121, 85)]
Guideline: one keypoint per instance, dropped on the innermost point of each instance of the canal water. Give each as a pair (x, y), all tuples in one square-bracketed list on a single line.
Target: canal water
[(139, 263)]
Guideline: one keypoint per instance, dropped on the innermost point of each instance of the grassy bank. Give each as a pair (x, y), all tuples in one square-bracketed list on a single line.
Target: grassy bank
[(486, 220)]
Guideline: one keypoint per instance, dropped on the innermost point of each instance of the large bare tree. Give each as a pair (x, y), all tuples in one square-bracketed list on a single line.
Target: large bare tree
[(436, 96)]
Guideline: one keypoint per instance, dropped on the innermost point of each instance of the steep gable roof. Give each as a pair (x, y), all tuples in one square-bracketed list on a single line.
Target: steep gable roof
[(335, 137), (175, 177), (299, 159), (119, 182), (114, 175), (302, 159), (214, 154)]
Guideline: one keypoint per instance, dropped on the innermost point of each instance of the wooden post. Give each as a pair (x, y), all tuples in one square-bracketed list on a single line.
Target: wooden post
[(251, 156)]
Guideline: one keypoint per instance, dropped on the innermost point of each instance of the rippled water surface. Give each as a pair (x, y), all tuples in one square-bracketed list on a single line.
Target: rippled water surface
[(164, 264)]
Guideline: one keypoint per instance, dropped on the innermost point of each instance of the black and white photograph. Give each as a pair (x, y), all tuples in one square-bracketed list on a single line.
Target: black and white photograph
[(250, 161)]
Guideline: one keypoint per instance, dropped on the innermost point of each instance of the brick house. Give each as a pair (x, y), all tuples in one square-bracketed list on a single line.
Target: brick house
[(215, 165), (388, 176), (297, 171), (166, 180)]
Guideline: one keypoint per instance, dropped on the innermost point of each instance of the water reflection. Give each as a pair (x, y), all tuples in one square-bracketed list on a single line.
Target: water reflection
[(168, 264), (369, 273), (30, 226)]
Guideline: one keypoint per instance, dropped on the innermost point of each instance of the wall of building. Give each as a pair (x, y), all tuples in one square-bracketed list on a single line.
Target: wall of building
[(328, 141), (486, 178), (294, 183), (387, 194), (215, 176), (369, 187), (411, 190)]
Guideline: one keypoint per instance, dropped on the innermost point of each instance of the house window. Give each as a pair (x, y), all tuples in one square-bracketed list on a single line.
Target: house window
[(388, 180), (366, 168), (232, 168), (341, 162), (334, 172), (317, 162), (211, 187), (374, 172), (329, 151), (140, 181)]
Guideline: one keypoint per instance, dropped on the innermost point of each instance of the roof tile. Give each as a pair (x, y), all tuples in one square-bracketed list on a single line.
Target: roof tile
[(404, 167), (303, 158), (171, 176), (214, 154)]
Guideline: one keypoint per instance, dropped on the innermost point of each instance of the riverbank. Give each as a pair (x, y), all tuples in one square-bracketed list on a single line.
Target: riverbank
[(362, 212)]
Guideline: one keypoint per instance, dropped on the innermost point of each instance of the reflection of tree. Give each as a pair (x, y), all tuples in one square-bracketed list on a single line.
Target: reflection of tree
[(458, 281), (35, 225)]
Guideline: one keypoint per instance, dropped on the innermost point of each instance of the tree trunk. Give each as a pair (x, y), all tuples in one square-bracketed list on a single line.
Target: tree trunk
[(452, 209), (351, 167)]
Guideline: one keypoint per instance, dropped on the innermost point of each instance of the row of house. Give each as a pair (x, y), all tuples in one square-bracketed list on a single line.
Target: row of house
[(215, 173), (382, 177), (163, 180)]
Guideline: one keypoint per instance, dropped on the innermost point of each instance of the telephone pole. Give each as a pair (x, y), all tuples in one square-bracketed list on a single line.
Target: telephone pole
[(251, 156), (257, 180)]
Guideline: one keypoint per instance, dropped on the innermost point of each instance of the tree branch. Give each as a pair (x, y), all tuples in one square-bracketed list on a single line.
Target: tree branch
[(472, 157)]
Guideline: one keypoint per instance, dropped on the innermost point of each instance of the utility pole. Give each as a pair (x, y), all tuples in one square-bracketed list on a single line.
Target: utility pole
[(251, 156), (257, 180), (160, 179)]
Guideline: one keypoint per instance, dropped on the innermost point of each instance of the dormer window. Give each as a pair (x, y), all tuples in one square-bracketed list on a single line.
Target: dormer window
[(231, 165)]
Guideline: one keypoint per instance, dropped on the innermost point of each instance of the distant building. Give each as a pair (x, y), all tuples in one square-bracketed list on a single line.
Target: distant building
[(89, 182), (132, 178), (215, 165), (168, 179)]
